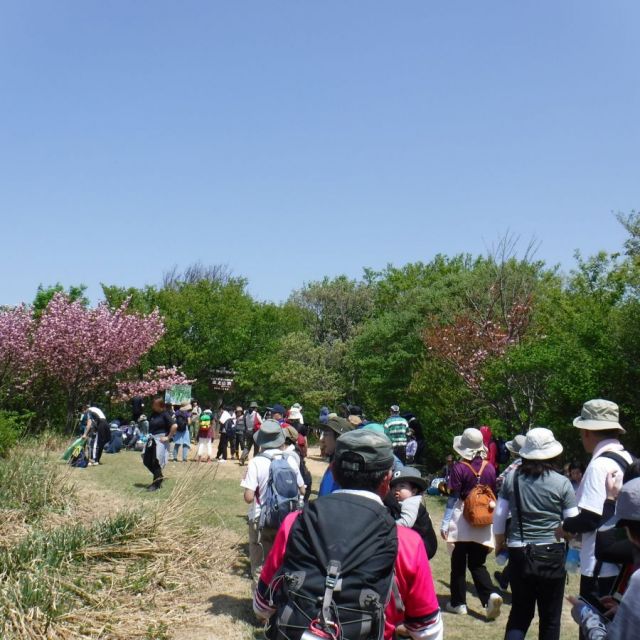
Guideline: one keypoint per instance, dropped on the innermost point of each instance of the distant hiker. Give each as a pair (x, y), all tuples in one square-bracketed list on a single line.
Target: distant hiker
[(412, 446), (205, 436), (225, 420), (182, 436), (239, 429), (252, 420), (396, 428), (162, 428), (97, 432), (334, 428), (492, 447), (270, 439), (195, 417), (297, 444), (333, 566)]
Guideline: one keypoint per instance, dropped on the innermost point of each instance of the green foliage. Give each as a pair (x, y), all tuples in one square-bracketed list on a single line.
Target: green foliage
[(45, 294), (13, 425)]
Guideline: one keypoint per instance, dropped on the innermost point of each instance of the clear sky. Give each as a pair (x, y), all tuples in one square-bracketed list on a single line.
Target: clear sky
[(297, 139)]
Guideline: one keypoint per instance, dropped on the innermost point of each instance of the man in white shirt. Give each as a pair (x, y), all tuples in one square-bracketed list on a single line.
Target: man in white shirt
[(270, 439), (599, 430)]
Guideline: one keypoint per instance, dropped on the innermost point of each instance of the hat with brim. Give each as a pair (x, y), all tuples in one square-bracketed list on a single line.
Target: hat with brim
[(291, 433), (360, 450), (185, 406), (469, 444), (294, 414), (253, 405), (269, 436), (338, 425), (540, 444), (599, 415), (516, 444), (411, 475), (628, 504)]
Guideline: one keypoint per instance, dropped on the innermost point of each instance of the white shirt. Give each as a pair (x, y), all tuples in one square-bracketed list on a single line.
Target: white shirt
[(224, 416), (257, 476), (591, 495)]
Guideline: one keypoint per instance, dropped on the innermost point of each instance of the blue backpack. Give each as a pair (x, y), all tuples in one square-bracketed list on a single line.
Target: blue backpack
[(281, 495)]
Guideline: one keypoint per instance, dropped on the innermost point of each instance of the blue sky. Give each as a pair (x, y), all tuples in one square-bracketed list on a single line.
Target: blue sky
[(296, 139)]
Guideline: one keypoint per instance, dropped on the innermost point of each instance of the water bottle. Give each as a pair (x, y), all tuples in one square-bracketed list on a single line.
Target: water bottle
[(502, 558), (572, 562)]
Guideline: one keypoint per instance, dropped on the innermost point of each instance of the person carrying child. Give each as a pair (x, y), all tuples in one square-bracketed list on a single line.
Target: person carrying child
[(404, 502)]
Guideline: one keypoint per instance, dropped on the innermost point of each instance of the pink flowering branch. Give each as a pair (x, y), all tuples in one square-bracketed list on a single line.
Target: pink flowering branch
[(152, 382)]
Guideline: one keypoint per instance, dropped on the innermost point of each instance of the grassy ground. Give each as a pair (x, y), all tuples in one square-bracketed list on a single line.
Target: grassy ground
[(224, 607)]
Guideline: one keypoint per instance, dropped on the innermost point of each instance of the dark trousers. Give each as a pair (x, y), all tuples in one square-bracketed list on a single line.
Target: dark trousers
[(526, 593), (222, 447), (401, 453), (472, 555), (592, 589)]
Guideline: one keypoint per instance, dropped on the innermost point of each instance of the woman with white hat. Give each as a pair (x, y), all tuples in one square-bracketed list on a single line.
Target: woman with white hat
[(469, 544), (538, 497)]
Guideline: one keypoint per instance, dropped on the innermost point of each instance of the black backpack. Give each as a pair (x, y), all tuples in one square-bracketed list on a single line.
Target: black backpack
[(338, 571), (503, 453), (182, 420)]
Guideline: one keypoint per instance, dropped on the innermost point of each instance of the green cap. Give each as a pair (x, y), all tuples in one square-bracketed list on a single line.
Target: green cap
[(338, 425), (361, 450)]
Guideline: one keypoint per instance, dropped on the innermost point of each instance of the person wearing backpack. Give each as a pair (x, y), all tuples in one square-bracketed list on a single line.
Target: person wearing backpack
[(341, 568), (600, 430), (538, 498), (627, 616), (466, 524), (182, 436), (263, 472)]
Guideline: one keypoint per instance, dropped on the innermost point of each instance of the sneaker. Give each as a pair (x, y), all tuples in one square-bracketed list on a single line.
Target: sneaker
[(461, 609), (153, 487), (501, 580), (222, 460), (493, 606)]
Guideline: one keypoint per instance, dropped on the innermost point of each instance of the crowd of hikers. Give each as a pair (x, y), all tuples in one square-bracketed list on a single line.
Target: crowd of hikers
[(355, 562)]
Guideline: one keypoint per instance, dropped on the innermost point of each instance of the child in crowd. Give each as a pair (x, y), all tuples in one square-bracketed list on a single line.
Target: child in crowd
[(205, 432), (404, 501)]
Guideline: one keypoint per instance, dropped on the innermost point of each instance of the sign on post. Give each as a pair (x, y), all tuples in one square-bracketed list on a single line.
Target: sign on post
[(178, 394)]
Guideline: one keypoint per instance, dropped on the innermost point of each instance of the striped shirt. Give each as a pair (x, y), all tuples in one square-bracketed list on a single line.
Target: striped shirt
[(396, 428)]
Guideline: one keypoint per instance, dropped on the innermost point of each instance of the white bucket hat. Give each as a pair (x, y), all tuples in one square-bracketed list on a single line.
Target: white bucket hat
[(295, 414), (469, 444), (540, 444), (516, 444), (599, 415)]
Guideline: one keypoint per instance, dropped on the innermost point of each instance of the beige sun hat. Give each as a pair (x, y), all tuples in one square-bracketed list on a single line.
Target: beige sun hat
[(540, 444), (599, 415), (516, 444), (469, 444)]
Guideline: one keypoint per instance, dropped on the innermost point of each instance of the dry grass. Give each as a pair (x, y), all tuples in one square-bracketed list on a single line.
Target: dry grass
[(119, 577)]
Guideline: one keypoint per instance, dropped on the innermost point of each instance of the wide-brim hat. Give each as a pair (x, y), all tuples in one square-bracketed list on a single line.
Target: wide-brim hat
[(269, 436), (253, 405), (338, 425), (516, 444), (540, 444), (411, 475), (469, 444), (599, 415), (294, 414)]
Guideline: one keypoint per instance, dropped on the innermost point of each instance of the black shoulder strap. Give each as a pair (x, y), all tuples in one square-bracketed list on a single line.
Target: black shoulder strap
[(516, 491), (623, 463)]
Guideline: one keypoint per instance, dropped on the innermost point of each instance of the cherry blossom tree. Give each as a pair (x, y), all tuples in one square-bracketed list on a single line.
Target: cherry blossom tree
[(16, 328), (152, 382)]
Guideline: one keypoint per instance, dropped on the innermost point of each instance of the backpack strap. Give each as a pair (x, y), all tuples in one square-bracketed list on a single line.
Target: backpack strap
[(516, 491), (478, 473), (616, 457), (333, 573)]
